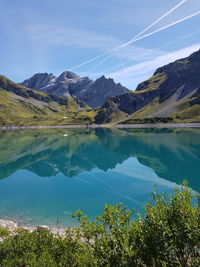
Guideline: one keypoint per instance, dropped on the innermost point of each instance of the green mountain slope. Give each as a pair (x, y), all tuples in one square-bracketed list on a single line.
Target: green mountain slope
[(22, 106), (173, 109), (172, 94)]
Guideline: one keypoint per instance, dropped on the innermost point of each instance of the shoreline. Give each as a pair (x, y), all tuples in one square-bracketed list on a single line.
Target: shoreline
[(13, 227), (120, 126)]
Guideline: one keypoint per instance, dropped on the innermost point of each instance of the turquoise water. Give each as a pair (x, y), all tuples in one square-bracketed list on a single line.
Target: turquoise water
[(45, 175)]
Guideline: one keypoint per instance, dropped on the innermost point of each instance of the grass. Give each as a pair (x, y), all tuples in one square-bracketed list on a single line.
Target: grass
[(16, 110), (21, 106), (170, 110), (6, 84), (26, 108), (152, 83), (187, 114)]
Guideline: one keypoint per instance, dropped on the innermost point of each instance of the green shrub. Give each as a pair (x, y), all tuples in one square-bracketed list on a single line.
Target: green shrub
[(168, 235), (42, 248), (4, 232), (170, 232)]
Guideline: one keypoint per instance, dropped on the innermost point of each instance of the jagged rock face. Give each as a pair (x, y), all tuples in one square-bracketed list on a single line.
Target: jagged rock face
[(67, 84), (100, 90), (128, 103), (39, 81), (182, 74), (181, 77), (93, 93)]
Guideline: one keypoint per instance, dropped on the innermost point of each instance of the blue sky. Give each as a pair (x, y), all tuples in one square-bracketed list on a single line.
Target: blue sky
[(56, 35)]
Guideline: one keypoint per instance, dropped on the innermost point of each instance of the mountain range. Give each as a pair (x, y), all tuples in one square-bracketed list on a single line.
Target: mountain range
[(172, 94), (23, 106), (68, 84)]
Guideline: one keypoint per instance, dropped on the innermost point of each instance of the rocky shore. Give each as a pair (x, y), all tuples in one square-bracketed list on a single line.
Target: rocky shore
[(13, 227), (152, 125)]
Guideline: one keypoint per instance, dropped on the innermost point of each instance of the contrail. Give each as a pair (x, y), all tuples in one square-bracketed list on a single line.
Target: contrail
[(167, 26), (104, 60), (130, 41), (139, 34), (100, 63), (153, 24), (158, 30), (89, 61)]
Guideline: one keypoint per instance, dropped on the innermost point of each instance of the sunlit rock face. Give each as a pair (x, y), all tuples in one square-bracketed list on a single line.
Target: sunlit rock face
[(172, 88), (93, 93)]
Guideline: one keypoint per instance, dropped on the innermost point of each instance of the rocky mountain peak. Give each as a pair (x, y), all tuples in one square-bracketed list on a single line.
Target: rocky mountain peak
[(180, 66), (39, 80), (182, 74), (104, 79), (171, 93), (68, 75), (93, 93)]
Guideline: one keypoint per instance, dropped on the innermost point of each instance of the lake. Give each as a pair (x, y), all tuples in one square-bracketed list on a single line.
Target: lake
[(45, 175)]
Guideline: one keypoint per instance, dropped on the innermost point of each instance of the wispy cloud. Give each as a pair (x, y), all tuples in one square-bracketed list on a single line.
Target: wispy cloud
[(80, 38), (69, 36), (139, 37), (37, 37)]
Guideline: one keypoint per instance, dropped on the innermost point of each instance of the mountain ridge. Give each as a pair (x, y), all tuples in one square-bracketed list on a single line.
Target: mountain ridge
[(69, 84), (23, 106), (172, 89), (172, 94)]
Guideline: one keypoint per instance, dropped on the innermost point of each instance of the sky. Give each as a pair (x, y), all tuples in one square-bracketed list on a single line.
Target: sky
[(57, 35)]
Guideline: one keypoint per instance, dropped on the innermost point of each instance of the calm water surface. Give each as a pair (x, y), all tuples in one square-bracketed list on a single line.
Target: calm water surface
[(45, 175)]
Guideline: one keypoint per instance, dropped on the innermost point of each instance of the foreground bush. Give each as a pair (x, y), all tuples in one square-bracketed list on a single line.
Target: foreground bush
[(168, 235)]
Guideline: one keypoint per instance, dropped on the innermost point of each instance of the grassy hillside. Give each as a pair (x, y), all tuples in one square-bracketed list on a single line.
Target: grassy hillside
[(172, 94), (145, 106), (23, 106), (173, 109)]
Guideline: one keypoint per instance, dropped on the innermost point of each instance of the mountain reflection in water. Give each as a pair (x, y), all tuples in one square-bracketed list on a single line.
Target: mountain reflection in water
[(171, 154)]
